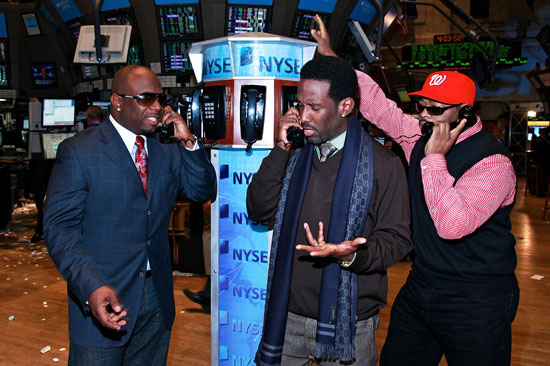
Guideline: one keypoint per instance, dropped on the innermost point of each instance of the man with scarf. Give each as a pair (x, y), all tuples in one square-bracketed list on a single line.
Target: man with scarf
[(461, 295), (323, 299)]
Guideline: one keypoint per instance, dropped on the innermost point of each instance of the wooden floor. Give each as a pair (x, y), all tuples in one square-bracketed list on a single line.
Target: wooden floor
[(32, 292)]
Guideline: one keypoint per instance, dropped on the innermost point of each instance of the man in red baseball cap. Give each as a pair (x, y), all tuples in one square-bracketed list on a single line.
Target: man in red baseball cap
[(461, 295)]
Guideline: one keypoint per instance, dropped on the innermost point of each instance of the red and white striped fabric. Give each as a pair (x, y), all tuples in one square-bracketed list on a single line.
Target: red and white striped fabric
[(456, 210)]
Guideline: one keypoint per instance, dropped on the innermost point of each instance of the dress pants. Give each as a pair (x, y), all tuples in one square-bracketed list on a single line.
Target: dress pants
[(472, 329), (148, 344), (299, 346)]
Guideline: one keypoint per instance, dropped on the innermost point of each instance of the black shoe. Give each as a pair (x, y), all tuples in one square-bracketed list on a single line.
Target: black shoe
[(36, 238), (199, 298)]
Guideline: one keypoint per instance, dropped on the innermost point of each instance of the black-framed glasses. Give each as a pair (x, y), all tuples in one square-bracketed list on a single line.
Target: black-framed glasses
[(146, 99), (432, 110)]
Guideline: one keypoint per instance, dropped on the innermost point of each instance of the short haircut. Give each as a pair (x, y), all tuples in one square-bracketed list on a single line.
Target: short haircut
[(95, 113), (337, 72)]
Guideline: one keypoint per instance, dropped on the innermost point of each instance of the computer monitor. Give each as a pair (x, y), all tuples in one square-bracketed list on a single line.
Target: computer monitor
[(179, 21), (74, 28), (58, 112), (114, 4), (121, 17), (104, 105), (135, 54), (90, 72), (51, 141), (31, 24), (44, 75), (323, 6), (247, 18), (304, 21), (4, 78), (175, 60)]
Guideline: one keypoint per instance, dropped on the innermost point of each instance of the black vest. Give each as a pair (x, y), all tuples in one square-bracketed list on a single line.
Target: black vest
[(483, 261)]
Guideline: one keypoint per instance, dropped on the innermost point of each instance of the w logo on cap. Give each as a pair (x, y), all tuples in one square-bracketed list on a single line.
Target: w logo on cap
[(437, 79)]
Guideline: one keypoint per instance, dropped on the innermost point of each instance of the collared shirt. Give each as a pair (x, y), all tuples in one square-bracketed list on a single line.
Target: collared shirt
[(337, 142), (457, 208)]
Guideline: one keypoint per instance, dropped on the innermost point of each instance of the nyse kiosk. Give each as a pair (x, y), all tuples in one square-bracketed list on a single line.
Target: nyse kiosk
[(249, 82)]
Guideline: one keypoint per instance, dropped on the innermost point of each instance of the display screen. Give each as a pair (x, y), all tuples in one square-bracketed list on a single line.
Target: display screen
[(179, 21), (44, 75), (4, 50), (324, 6), (26, 124), (251, 2), (51, 141), (103, 105), (74, 29), (66, 9), (31, 24), (114, 4), (58, 112), (363, 12), (90, 72), (134, 54), (174, 57), (244, 19), (170, 2), (120, 18), (304, 21), (4, 80), (3, 28), (459, 54), (48, 16)]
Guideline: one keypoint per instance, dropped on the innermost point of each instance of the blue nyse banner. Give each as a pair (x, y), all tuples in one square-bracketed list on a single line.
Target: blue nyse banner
[(280, 60), (242, 260)]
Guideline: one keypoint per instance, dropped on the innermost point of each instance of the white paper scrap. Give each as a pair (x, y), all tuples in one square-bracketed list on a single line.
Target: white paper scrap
[(11, 318), (537, 277), (45, 349)]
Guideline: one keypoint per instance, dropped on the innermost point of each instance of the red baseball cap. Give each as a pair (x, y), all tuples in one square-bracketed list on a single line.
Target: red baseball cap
[(449, 87)]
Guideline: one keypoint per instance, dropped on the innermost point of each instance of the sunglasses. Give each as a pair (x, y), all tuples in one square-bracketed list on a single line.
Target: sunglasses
[(146, 99), (433, 111)]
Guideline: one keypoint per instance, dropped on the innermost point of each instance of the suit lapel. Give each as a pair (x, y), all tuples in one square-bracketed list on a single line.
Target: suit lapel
[(115, 149), (154, 158)]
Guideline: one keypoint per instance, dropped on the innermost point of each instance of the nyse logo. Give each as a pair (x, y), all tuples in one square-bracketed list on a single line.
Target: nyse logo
[(242, 177), (241, 361), (217, 66), (241, 218), (243, 326), (281, 65), (250, 255), (248, 292)]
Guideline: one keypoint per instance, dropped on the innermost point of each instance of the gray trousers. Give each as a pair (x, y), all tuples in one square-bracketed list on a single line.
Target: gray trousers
[(299, 344)]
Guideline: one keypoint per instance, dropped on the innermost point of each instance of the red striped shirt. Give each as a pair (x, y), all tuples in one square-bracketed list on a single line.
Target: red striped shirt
[(456, 209)]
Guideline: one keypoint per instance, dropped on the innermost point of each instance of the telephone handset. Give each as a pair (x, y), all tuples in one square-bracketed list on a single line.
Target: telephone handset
[(289, 98), (252, 113), (183, 106), (465, 112)]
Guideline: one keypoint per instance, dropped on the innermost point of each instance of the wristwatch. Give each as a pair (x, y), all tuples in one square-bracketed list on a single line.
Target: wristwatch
[(346, 264)]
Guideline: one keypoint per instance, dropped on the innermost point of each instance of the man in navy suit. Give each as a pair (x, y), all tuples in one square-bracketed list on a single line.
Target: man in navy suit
[(106, 223)]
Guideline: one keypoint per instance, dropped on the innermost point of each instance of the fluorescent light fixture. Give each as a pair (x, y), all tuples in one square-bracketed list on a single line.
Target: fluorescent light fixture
[(531, 114)]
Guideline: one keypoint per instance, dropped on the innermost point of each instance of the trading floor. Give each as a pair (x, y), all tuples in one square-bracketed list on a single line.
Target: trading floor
[(33, 304)]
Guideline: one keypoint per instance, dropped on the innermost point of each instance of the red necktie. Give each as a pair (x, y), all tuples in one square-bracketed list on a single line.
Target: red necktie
[(141, 161)]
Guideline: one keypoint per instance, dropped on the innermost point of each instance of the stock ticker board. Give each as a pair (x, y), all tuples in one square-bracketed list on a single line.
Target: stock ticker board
[(445, 53)]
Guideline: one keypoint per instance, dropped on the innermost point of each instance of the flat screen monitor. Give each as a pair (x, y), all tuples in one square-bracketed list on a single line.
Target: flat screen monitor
[(103, 105), (304, 21), (179, 21), (172, 2), (90, 72), (114, 4), (323, 6), (58, 112), (44, 75), (364, 12), (135, 54), (74, 28), (67, 9), (31, 24), (174, 57), (3, 27), (51, 141), (121, 17), (245, 18), (4, 78), (4, 54), (48, 16)]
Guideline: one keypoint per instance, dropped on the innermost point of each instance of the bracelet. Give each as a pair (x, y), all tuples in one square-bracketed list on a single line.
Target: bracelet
[(346, 264), (284, 143)]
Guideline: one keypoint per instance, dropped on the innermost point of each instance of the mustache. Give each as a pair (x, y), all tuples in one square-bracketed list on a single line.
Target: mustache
[(309, 126)]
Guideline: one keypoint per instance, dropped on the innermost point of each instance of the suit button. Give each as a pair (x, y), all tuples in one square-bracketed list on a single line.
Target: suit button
[(148, 212), (141, 274), (148, 242)]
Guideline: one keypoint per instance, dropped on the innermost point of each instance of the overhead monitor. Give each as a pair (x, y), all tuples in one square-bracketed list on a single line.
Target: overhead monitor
[(179, 21), (304, 21), (58, 112), (173, 2), (121, 17), (364, 11), (323, 6), (31, 24), (4, 78), (114, 4), (44, 75), (135, 54), (3, 27), (4, 54), (247, 18), (175, 59), (104, 105), (115, 49), (251, 2), (67, 9), (51, 141), (48, 16), (73, 27), (90, 72)]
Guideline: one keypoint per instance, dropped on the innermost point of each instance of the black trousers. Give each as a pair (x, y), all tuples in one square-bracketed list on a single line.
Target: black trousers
[(469, 328)]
